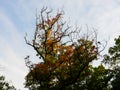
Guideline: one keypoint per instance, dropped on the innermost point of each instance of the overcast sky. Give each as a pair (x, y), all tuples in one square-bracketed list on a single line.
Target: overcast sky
[(18, 17)]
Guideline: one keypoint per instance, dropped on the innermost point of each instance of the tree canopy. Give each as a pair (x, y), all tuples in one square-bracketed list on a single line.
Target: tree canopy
[(66, 58), (65, 55)]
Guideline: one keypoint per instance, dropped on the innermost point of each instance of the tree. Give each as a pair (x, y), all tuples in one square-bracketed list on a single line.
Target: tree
[(116, 82), (65, 56), (112, 59), (113, 56), (5, 85), (99, 79)]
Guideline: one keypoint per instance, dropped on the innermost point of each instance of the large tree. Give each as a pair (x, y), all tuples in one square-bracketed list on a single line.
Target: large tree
[(65, 54)]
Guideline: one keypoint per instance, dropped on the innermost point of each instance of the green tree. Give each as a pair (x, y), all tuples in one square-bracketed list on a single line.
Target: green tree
[(4, 85), (113, 59), (113, 56), (99, 79), (116, 82), (65, 57)]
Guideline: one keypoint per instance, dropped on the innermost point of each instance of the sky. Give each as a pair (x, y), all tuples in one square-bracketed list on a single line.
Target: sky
[(17, 17)]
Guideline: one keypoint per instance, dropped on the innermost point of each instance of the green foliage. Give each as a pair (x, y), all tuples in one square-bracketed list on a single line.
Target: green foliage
[(5, 85), (116, 82), (113, 59), (113, 55), (99, 79)]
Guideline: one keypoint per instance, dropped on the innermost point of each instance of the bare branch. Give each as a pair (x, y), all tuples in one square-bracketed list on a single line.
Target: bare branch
[(27, 41)]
